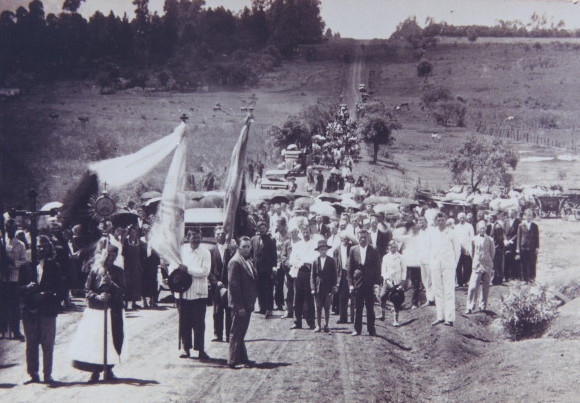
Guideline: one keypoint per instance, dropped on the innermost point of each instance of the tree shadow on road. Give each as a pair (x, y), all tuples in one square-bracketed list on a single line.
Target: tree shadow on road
[(280, 340), (117, 381), (394, 343), (270, 365)]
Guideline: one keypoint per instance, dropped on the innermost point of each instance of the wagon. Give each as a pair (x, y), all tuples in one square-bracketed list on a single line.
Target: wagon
[(571, 206), (550, 206)]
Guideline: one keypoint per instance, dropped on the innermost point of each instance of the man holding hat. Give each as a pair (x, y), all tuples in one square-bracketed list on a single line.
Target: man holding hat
[(364, 271), (495, 230), (265, 260), (242, 293), (323, 283), (220, 257), (193, 302)]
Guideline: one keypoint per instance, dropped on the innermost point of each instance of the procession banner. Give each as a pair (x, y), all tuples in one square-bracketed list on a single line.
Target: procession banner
[(235, 178), (117, 172), (168, 229)]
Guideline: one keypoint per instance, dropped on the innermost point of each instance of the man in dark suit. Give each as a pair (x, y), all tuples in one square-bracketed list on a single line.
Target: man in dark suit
[(364, 271), (265, 259), (242, 293), (323, 284), (341, 258), (377, 238), (320, 227), (512, 266), (528, 245), (220, 257), (40, 287), (496, 232)]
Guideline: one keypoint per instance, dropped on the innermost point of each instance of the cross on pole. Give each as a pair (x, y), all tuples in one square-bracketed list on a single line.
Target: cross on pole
[(33, 214)]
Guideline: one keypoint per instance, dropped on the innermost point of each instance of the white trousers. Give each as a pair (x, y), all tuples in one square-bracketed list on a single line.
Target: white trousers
[(444, 290), (427, 282)]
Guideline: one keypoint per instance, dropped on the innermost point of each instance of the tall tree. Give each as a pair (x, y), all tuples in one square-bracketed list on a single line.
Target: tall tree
[(377, 129), (481, 162)]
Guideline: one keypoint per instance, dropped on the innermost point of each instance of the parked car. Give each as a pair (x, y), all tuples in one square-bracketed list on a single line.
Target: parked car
[(275, 179)]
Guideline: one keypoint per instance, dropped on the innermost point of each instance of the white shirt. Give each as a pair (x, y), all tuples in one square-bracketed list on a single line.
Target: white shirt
[(198, 264), (302, 252), (464, 234), (344, 255), (333, 242), (363, 254), (444, 249), (393, 268), (374, 235), (412, 252), (322, 261), (39, 271)]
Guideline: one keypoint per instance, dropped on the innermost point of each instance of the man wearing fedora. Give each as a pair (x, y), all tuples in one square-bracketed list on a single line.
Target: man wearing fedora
[(221, 254), (323, 284), (196, 261), (242, 294)]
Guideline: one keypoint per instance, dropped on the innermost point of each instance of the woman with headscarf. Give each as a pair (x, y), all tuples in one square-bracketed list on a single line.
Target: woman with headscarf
[(104, 290)]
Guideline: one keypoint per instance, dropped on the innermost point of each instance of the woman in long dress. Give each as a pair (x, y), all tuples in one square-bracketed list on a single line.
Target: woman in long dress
[(104, 290)]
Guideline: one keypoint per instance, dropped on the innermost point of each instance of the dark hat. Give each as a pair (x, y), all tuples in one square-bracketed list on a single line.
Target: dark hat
[(397, 296), (221, 296), (322, 244), (179, 281)]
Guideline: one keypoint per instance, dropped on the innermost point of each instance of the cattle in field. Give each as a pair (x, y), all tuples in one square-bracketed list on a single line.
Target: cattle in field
[(8, 93), (436, 137)]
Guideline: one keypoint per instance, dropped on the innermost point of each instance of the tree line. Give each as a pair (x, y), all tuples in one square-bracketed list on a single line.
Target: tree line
[(196, 43)]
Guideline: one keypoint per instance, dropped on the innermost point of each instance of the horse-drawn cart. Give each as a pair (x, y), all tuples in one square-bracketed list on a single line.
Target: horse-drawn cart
[(571, 206), (550, 205)]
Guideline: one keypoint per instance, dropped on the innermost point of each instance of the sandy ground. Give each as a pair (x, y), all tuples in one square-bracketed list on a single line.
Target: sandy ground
[(416, 362)]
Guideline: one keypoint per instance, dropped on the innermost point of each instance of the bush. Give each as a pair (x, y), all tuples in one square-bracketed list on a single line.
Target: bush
[(526, 311), (432, 94), (446, 112), (548, 122), (424, 68)]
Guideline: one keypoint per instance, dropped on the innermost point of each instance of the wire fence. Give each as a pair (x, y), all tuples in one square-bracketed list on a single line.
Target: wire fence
[(525, 134)]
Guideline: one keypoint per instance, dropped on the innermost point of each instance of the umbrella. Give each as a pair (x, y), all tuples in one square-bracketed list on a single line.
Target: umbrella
[(51, 205), (329, 197), (386, 208), (150, 195), (349, 203), (303, 202), (124, 219), (152, 201), (192, 204), (279, 196), (323, 208), (378, 200), (192, 195), (212, 201), (318, 137)]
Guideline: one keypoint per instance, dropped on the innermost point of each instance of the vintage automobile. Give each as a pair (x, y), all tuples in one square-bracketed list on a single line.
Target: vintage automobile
[(204, 219), (275, 179)]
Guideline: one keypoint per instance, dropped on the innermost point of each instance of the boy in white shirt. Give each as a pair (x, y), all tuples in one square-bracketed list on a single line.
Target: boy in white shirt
[(394, 273)]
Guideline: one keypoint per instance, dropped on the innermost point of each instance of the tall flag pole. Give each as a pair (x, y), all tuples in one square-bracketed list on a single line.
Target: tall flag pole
[(235, 178), (168, 229)]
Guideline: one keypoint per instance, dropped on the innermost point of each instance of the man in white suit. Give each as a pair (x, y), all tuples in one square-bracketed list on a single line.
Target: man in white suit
[(444, 252)]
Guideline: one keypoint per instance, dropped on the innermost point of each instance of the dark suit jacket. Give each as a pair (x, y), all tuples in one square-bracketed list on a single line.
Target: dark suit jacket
[(495, 231), (322, 279), (264, 256), (41, 299), (242, 285), (511, 234), (340, 265), (528, 239), (324, 230), (383, 239), (219, 270), (363, 274)]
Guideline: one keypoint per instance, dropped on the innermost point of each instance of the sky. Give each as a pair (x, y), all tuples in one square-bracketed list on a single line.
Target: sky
[(367, 19)]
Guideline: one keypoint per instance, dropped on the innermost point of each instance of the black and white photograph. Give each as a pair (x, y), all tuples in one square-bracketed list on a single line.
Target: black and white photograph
[(289, 201)]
